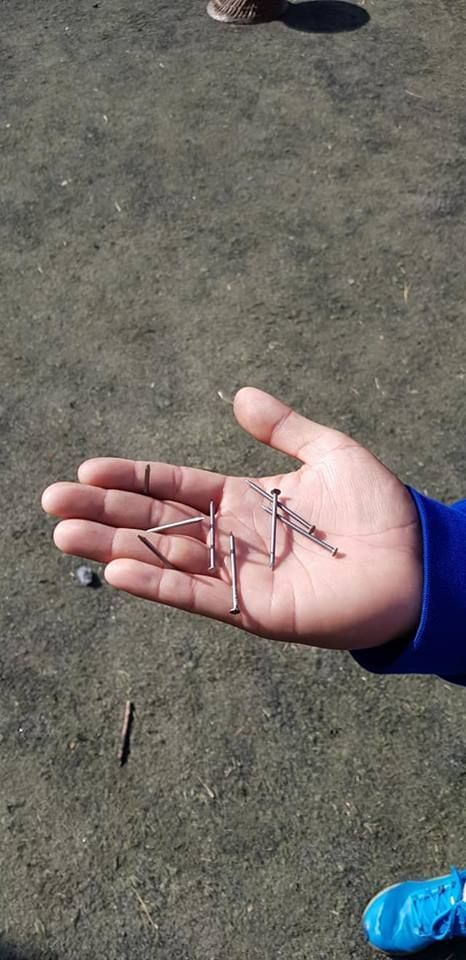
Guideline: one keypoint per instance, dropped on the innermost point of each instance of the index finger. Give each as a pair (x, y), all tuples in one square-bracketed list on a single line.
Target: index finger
[(187, 485)]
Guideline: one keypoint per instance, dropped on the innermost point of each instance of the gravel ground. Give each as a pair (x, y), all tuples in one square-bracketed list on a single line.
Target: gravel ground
[(188, 207)]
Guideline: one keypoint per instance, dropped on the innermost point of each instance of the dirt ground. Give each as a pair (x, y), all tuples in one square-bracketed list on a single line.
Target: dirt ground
[(188, 207)]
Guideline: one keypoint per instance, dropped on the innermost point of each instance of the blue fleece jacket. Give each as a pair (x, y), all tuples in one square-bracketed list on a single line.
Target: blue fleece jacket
[(439, 644)]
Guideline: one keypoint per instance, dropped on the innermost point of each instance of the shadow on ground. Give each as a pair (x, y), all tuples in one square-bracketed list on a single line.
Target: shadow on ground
[(318, 16), (452, 950), (9, 952)]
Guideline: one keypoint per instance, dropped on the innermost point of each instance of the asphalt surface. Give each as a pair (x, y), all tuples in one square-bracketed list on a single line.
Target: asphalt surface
[(188, 207)]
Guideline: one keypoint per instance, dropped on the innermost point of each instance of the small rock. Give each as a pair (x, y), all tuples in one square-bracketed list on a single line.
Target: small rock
[(85, 576)]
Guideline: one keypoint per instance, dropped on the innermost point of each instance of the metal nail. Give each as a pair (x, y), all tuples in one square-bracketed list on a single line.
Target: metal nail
[(171, 526), (294, 526), (223, 396), (234, 582), (282, 506), (308, 527), (273, 533), (147, 481), (212, 557), (160, 556)]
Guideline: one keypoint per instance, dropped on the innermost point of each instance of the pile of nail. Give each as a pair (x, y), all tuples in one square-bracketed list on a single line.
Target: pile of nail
[(278, 511)]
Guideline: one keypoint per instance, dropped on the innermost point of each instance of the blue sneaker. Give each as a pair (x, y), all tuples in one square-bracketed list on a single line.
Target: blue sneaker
[(411, 916)]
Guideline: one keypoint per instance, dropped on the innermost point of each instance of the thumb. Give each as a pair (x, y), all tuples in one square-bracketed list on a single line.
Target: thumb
[(272, 422)]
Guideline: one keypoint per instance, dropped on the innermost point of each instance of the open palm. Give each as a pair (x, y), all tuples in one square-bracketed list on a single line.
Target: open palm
[(366, 595)]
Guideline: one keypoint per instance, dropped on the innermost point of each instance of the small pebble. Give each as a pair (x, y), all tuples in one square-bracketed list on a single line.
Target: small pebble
[(85, 576)]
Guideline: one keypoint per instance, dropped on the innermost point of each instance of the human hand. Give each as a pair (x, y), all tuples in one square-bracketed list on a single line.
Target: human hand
[(367, 595)]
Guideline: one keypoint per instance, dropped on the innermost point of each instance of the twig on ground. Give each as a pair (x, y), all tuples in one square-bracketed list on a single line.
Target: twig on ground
[(124, 748)]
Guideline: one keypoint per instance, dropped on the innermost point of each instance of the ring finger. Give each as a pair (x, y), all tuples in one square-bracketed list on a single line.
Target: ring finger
[(102, 543)]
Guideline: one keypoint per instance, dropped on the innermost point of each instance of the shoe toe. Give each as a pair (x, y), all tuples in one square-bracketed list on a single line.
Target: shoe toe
[(384, 923), (374, 925)]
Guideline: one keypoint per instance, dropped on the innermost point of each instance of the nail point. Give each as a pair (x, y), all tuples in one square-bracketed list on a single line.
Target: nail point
[(224, 397)]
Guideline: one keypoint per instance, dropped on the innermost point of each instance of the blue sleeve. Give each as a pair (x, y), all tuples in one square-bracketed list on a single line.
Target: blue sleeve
[(439, 644)]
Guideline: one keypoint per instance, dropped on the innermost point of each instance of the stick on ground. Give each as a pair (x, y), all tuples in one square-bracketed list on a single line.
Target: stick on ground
[(145, 909), (125, 737)]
